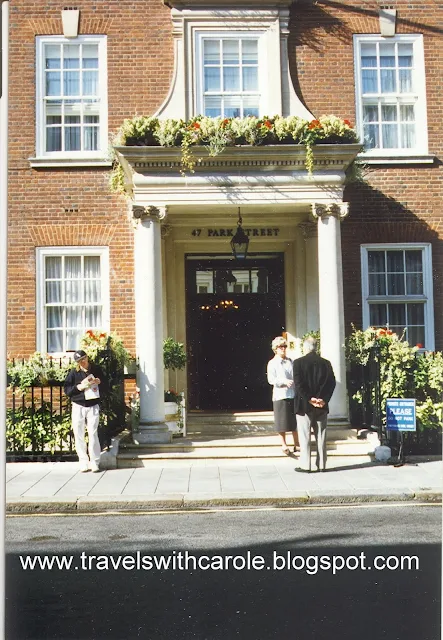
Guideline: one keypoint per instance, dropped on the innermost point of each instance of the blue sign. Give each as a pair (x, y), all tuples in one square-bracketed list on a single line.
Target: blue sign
[(400, 414)]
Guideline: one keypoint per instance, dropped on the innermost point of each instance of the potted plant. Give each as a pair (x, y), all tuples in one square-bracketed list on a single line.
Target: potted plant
[(174, 358)]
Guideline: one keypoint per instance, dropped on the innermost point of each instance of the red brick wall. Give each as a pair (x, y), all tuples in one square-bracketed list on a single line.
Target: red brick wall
[(140, 64), (399, 203)]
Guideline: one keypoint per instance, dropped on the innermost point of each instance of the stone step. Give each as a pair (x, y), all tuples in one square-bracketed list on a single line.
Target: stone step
[(229, 433), (245, 440), (218, 424), (226, 417), (243, 417), (127, 460), (229, 448)]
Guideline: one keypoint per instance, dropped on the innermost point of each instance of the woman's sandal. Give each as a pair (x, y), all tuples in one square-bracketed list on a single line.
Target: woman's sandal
[(286, 451)]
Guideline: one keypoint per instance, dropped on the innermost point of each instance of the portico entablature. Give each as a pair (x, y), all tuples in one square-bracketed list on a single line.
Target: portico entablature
[(272, 174)]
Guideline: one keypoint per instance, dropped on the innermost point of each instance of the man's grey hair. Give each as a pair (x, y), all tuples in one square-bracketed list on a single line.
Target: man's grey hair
[(310, 344)]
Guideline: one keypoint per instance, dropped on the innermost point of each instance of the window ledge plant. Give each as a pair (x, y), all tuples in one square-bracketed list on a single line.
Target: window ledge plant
[(218, 133)]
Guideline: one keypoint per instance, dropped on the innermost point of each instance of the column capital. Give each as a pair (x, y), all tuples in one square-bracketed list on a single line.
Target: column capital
[(308, 229), (149, 213), (165, 230), (337, 209)]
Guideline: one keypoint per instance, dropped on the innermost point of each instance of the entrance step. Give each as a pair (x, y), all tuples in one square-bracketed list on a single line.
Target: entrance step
[(231, 447), (206, 423), (258, 423)]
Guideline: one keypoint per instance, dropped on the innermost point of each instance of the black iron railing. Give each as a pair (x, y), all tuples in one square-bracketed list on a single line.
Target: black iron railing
[(366, 411), (369, 410), (38, 420)]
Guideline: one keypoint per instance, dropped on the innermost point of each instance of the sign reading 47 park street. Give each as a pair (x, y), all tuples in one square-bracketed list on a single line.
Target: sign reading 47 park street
[(229, 233), (400, 414)]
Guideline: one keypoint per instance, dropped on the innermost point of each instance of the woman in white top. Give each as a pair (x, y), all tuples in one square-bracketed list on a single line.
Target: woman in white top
[(280, 376)]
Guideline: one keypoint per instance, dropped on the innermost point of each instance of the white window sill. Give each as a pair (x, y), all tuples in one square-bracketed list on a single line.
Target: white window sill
[(46, 162), (393, 158)]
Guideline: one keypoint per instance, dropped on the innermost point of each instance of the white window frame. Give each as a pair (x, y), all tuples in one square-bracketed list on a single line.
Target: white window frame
[(268, 23), (421, 133), (200, 36), (102, 151), (41, 254), (427, 296)]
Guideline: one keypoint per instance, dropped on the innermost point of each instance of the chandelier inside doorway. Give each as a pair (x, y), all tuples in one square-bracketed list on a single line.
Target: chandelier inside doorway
[(222, 305)]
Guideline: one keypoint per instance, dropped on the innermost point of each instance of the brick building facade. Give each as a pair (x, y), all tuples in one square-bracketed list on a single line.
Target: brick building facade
[(340, 63)]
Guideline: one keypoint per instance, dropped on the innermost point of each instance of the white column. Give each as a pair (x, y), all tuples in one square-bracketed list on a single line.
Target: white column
[(330, 280), (149, 325), (309, 230)]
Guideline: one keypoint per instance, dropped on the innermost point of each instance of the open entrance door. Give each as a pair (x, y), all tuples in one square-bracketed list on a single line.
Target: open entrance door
[(234, 310)]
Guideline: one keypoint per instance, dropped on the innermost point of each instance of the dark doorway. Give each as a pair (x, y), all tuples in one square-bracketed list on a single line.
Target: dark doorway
[(234, 309)]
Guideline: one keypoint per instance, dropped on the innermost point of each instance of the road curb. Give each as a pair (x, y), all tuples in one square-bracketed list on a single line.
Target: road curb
[(41, 505), (429, 495), (255, 498), (182, 502), (130, 503)]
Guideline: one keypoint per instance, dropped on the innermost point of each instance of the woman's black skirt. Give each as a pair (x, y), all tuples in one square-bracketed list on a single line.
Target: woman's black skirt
[(284, 418)]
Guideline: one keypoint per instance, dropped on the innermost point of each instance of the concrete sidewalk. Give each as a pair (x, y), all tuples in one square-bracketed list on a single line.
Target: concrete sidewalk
[(50, 487)]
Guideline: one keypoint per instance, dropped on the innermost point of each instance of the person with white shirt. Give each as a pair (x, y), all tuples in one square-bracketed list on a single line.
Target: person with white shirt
[(280, 376), (82, 386)]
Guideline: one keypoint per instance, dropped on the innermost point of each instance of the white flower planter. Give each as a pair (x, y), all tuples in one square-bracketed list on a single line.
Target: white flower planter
[(171, 416)]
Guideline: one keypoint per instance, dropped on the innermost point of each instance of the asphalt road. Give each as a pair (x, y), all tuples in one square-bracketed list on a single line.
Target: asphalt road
[(254, 575)]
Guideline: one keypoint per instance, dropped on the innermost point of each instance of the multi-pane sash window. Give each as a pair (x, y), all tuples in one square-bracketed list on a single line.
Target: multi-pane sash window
[(72, 96), (391, 93), (397, 291), (230, 78), (73, 296), (232, 281)]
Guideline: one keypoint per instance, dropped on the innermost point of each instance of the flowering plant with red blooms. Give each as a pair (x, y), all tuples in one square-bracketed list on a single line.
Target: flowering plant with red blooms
[(384, 332), (98, 346), (95, 337), (314, 124)]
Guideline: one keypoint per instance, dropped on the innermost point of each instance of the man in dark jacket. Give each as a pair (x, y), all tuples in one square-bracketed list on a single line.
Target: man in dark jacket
[(86, 385), (314, 384)]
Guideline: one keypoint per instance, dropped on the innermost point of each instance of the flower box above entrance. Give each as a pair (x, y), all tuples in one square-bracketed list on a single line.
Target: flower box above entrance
[(225, 156)]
